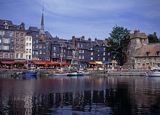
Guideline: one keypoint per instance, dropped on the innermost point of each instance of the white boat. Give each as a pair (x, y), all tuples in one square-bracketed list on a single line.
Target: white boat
[(73, 70), (154, 72), (79, 73)]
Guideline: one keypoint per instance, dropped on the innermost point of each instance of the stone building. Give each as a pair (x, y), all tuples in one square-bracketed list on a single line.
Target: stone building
[(147, 56), (141, 54)]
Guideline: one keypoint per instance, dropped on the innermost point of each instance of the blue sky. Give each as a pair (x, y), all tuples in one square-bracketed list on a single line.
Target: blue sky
[(89, 18)]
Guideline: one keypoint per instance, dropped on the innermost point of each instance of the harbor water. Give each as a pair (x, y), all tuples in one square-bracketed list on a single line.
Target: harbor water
[(118, 95)]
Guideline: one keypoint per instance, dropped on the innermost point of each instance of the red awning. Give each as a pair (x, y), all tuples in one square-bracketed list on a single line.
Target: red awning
[(9, 62), (45, 63), (51, 63), (63, 63), (20, 61), (39, 62)]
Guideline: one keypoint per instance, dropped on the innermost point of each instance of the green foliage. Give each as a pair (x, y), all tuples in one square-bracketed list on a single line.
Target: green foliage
[(118, 43), (152, 38)]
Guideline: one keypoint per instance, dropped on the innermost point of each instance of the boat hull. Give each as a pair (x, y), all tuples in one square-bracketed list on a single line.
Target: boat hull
[(153, 74), (29, 75), (75, 74)]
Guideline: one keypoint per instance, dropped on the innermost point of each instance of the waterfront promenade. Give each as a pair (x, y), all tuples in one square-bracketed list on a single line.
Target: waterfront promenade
[(7, 73)]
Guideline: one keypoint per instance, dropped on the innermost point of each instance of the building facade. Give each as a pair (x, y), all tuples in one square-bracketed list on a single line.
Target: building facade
[(141, 54), (19, 42), (36, 44), (28, 47), (7, 39)]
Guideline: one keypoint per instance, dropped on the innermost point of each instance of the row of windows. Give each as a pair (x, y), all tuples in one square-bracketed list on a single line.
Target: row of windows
[(7, 55), (29, 44), (7, 33), (40, 47), (28, 57), (38, 52), (103, 58), (4, 47), (19, 55), (28, 38), (104, 53), (5, 40), (28, 50), (19, 34)]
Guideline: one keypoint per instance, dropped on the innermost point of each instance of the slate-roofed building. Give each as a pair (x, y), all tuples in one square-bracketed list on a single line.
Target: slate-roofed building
[(7, 39)]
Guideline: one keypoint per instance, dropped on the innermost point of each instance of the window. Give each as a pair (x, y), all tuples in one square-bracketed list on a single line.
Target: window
[(104, 53), (104, 58), (147, 53), (54, 48), (40, 52), (5, 47), (26, 50), (36, 52), (21, 34), (1, 33), (40, 46), (104, 49), (17, 55), (30, 51), (54, 54), (91, 53), (26, 56), (21, 55), (29, 56), (157, 53), (0, 40), (81, 45), (6, 40), (91, 58)]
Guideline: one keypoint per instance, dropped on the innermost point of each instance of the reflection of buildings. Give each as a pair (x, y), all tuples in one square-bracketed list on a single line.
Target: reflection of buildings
[(112, 94)]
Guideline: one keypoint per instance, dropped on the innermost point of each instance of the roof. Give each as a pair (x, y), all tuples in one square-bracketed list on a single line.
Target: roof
[(138, 34), (148, 50)]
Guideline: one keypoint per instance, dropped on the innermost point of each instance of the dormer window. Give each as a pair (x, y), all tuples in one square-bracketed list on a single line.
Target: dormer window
[(147, 53), (5, 25)]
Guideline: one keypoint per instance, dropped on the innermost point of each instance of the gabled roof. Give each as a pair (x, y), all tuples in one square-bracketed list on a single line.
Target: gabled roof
[(148, 50)]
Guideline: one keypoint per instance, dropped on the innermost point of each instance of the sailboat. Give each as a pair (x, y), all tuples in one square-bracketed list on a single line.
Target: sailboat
[(29, 73), (75, 66)]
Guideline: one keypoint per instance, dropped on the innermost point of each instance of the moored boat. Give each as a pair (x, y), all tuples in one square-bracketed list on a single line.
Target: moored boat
[(154, 72), (79, 73), (29, 75)]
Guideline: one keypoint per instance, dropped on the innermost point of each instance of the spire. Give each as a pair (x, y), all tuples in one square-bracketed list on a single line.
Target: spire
[(42, 19), (42, 32)]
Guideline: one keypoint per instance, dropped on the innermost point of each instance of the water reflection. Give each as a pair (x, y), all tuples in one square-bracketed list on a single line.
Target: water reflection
[(80, 96)]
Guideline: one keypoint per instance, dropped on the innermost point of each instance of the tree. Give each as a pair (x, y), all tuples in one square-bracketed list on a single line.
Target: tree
[(118, 43), (152, 38)]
